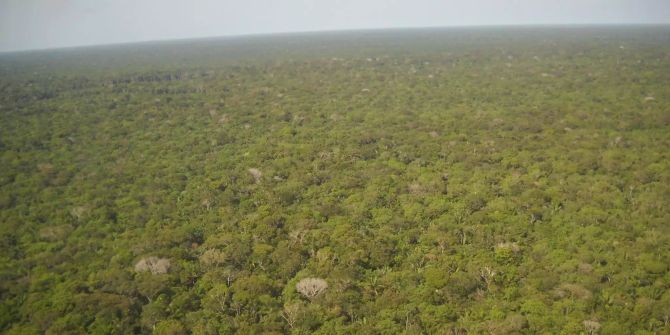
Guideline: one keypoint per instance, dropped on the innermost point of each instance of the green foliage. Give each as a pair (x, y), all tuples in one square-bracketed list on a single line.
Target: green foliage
[(474, 181), (169, 327)]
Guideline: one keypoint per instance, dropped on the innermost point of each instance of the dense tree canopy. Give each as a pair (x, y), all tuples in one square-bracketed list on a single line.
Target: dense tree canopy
[(427, 181)]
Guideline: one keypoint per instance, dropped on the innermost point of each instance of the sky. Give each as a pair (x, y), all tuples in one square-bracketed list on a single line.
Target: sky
[(43, 24)]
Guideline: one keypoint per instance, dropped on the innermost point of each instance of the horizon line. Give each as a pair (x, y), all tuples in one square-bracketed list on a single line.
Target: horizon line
[(326, 31)]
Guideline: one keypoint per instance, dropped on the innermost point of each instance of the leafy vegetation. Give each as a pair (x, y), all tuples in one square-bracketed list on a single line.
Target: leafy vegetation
[(448, 181)]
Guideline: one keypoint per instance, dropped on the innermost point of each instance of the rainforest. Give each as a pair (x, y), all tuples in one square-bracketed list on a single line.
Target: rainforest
[(407, 181)]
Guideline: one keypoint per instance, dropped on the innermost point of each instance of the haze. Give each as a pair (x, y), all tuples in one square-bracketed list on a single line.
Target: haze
[(40, 24)]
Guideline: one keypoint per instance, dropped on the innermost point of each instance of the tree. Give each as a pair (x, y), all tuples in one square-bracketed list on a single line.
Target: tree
[(311, 287), (153, 264)]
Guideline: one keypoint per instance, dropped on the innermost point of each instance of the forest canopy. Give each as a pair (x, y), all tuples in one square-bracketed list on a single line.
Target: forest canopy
[(437, 181)]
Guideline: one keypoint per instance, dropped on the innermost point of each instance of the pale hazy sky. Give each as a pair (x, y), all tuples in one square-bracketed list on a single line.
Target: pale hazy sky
[(39, 24)]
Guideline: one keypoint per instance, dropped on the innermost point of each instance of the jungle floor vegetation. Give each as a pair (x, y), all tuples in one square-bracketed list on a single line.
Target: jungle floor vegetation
[(444, 181)]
